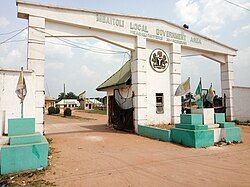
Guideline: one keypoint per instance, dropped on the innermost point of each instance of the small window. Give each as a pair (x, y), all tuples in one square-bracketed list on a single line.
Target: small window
[(159, 103)]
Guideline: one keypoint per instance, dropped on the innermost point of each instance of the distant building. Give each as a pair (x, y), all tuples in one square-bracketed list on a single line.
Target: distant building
[(241, 103), (68, 103), (96, 103), (88, 103), (81, 98), (49, 102)]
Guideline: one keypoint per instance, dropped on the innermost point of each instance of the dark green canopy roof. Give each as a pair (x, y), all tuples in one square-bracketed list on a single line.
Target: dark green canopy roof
[(122, 76)]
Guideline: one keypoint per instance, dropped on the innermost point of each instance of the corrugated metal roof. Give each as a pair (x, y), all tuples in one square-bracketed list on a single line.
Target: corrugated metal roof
[(49, 98), (68, 101), (95, 101), (118, 78)]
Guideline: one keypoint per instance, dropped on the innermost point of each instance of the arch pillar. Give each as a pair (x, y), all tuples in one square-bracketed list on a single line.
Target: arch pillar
[(36, 62), (175, 80), (139, 85), (227, 82)]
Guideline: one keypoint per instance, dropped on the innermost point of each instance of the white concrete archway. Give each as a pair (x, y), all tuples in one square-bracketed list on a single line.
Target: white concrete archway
[(141, 35)]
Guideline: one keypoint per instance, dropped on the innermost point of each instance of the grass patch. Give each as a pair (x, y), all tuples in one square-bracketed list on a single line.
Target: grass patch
[(163, 126), (78, 117), (74, 117), (96, 111)]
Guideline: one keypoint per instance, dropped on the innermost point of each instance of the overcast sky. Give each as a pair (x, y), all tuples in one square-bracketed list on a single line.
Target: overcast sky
[(84, 70)]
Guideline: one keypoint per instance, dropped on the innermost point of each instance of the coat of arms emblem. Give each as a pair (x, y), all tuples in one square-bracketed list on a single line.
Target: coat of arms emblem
[(159, 60)]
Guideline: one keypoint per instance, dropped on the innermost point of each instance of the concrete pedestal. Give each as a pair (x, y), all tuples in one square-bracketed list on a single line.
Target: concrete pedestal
[(198, 130), (27, 150), (192, 132), (208, 115)]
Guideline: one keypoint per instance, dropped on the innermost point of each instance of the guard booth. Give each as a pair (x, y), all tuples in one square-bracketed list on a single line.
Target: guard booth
[(120, 98)]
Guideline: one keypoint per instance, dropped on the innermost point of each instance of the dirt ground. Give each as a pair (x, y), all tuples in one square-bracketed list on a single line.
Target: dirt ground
[(88, 153)]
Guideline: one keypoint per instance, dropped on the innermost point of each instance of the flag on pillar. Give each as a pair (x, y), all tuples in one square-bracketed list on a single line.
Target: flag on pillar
[(210, 94), (183, 88), (198, 95), (21, 90)]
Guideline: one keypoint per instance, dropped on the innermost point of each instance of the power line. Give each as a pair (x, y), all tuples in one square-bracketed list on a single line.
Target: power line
[(7, 33), (70, 45), (13, 36), (47, 88), (77, 46), (88, 49), (238, 5), (78, 43), (13, 41), (93, 50)]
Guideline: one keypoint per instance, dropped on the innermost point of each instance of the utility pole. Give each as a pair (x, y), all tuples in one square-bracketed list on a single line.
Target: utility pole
[(64, 91)]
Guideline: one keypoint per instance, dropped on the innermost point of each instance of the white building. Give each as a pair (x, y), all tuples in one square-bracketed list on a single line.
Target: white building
[(96, 103), (68, 103), (241, 103), (88, 105), (49, 102)]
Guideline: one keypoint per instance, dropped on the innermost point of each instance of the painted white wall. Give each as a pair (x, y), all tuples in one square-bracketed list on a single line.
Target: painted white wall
[(157, 83), (155, 29), (10, 103), (2, 122), (241, 103)]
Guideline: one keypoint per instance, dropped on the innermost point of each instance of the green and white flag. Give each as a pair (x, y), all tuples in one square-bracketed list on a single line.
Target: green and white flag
[(21, 90), (198, 95), (183, 88), (210, 95)]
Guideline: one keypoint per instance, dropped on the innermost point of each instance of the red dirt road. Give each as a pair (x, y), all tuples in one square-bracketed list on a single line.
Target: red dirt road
[(87, 153)]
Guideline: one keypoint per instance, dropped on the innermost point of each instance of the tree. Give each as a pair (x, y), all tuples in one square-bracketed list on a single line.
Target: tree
[(71, 95), (61, 96)]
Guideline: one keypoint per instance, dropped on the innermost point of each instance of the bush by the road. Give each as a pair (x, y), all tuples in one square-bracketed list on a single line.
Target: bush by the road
[(67, 112), (51, 110), (57, 110)]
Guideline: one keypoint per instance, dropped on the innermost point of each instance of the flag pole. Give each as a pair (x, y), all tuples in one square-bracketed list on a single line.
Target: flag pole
[(213, 98), (22, 97), (201, 95), (21, 89), (190, 101), (21, 109)]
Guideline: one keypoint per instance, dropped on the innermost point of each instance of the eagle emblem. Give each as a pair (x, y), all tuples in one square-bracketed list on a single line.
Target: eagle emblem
[(159, 60)]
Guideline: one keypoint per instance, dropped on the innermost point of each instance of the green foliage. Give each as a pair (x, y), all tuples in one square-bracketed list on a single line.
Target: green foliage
[(67, 112), (69, 95), (235, 121), (97, 111), (61, 96), (57, 110), (51, 110)]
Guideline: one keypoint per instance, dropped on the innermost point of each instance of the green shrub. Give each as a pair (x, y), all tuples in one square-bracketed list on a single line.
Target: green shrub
[(236, 121), (57, 110), (67, 112), (51, 110)]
